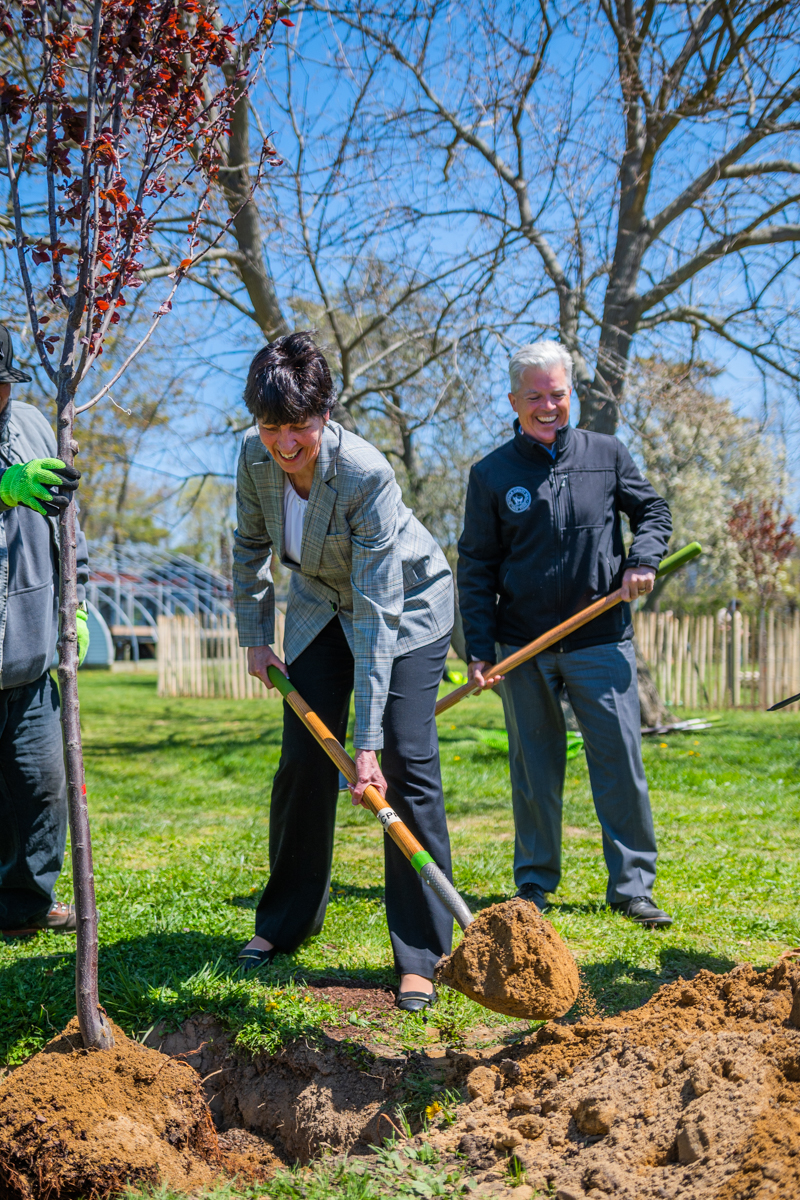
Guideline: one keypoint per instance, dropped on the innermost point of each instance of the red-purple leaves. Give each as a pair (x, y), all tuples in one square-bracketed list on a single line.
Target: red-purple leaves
[(13, 100)]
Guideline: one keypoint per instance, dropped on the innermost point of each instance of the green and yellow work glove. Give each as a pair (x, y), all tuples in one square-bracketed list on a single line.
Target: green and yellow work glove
[(30, 483), (83, 634)]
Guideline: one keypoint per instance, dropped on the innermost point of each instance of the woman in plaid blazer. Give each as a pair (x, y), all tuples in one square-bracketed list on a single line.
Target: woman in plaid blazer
[(370, 612)]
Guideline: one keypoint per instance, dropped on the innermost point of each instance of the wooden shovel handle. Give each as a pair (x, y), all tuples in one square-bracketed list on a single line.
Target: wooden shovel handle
[(373, 800), (669, 564), (533, 648)]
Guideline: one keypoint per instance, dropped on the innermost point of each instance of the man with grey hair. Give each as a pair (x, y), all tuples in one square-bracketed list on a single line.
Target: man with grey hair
[(543, 539)]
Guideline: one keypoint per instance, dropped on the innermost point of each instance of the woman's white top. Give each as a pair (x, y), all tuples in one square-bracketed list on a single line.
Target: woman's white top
[(294, 513)]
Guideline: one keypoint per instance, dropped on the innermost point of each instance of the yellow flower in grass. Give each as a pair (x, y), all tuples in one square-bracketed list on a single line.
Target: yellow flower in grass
[(456, 758), (433, 1110)]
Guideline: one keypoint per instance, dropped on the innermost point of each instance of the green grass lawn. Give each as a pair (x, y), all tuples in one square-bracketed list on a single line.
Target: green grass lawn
[(179, 795)]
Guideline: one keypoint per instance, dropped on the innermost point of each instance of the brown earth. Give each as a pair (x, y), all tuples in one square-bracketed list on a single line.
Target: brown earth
[(75, 1123), (512, 961), (695, 1096), (355, 997), (301, 1101)]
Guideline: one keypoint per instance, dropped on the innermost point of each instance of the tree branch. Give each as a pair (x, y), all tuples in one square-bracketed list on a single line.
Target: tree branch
[(769, 235)]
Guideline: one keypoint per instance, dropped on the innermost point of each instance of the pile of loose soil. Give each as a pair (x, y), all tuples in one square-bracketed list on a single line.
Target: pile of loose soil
[(693, 1096), (512, 961), (77, 1123)]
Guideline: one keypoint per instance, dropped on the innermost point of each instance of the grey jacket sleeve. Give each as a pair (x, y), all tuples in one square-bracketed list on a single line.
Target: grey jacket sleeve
[(378, 600), (480, 556), (648, 513), (3, 506), (253, 590)]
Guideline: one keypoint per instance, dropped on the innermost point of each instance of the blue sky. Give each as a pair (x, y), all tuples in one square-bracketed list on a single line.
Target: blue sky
[(210, 346)]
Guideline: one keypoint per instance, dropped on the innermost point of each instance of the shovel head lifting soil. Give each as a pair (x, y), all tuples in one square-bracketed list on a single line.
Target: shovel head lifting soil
[(510, 960)]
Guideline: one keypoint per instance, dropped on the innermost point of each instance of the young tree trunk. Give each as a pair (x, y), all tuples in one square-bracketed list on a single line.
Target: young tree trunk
[(94, 1026), (762, 655)]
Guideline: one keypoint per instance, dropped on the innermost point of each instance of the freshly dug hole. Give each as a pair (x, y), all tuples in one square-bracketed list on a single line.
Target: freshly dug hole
[(77, 1123), (302, 1100), (512, 961)]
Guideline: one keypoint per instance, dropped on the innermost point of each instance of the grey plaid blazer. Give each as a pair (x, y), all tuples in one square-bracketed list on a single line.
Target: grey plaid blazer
[(364, 556)]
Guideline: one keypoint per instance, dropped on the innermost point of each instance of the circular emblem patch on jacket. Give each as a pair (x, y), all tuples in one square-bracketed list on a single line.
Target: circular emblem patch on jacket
[(518, 499)]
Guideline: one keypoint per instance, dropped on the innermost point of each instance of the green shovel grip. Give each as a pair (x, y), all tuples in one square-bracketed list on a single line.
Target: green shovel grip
[(679, 559), (279, 681)]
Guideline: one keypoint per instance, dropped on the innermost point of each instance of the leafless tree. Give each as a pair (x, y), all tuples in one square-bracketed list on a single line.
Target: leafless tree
[(401, 313), (640, 157)]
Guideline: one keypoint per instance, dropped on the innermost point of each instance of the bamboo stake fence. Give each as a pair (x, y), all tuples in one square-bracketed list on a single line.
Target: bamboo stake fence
[(199, 659), (721, 661), (697, 662)]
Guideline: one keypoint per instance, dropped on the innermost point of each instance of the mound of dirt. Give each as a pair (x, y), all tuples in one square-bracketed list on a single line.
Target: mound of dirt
[(695, 1096), (77, 1123), (512, 961)]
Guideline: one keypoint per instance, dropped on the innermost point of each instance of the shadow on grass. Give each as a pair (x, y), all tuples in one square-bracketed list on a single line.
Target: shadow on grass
[(619, 984), (476, 902), (173, 976), (37, 999), (215, 746), (158, 977), (589, 907), (351, 891)]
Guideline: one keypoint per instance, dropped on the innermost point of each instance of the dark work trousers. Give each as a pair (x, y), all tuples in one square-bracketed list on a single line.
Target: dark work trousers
[(306, 788), (602, 686), (33, 795)]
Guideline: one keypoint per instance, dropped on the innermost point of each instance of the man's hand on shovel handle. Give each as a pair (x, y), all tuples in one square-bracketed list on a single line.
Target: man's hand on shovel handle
[(637, 581), (476, 675), (259, 659), (369, 772)]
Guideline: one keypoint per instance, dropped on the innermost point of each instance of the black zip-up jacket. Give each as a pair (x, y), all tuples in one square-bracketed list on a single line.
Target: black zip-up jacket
[(542, 539)]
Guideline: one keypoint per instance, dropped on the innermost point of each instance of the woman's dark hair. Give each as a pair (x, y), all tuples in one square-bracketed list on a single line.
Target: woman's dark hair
[(289, 381)]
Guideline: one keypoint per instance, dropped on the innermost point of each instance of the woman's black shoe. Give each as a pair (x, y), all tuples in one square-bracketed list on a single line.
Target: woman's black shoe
[(250, 959), (415, 1002)]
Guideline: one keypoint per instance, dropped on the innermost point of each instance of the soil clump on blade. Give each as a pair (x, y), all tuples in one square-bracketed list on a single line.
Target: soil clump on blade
[(77, 1123), (512, 961), (693, 1096)]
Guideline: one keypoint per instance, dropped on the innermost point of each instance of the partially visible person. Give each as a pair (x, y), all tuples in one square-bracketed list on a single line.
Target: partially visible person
[(33, 791), (543, 539), (370, 612)]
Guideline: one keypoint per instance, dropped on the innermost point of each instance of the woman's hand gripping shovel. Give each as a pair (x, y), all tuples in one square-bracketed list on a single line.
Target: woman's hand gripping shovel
[(679, 559), (507, 956)]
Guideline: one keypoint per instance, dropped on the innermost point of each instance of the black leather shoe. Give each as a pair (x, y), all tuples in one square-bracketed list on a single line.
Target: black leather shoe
[(415, 1002), (642, 910), (250, 959), (534, 895)]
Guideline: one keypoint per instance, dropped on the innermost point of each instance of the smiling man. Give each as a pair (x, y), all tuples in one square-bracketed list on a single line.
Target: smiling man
[(543, 539)]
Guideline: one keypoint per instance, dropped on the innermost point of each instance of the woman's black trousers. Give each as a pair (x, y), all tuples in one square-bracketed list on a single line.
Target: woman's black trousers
[(305, 792)]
